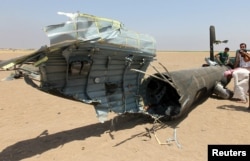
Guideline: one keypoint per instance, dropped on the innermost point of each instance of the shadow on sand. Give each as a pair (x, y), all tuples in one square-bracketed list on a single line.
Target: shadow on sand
[(243, 108), (234, 108), (44, 141)]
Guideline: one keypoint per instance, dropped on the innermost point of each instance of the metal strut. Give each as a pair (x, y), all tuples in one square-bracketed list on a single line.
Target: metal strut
[(169, 139)]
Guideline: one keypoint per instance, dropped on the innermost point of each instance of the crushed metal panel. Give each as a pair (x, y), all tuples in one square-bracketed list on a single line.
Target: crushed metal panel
[(89, 60), (88, 28)]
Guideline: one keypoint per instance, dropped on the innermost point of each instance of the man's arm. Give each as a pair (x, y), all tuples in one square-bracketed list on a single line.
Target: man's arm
[(217, 57), (245, 55), (227, 60)]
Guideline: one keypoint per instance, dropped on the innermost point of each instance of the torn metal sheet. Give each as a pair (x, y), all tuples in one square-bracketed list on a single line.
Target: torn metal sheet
[(92, 29)]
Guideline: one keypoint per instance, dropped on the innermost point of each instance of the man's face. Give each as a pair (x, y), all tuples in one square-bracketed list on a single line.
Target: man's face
[(242, 46)]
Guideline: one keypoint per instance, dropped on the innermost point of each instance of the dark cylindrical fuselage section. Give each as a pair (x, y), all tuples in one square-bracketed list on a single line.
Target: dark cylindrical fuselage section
[(182, 90)]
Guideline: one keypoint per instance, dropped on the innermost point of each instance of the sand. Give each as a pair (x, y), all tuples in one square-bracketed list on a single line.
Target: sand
[(38, 126)]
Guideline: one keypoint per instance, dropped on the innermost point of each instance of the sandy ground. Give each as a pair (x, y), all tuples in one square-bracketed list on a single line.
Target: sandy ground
[(38, 126)]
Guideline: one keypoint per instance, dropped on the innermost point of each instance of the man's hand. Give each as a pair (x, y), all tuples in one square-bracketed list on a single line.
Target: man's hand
[(242, 53)]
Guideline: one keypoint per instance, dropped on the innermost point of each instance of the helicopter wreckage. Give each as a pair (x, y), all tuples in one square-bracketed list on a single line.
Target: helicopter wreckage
[(98, 61)]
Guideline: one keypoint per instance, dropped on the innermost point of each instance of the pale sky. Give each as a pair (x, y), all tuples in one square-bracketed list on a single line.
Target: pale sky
[(175, 24)]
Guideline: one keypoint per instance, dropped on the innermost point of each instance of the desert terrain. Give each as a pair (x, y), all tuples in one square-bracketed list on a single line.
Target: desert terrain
[(38, 126)]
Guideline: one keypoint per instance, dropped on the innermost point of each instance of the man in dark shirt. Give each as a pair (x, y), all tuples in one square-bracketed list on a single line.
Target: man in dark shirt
[(222, 57)]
